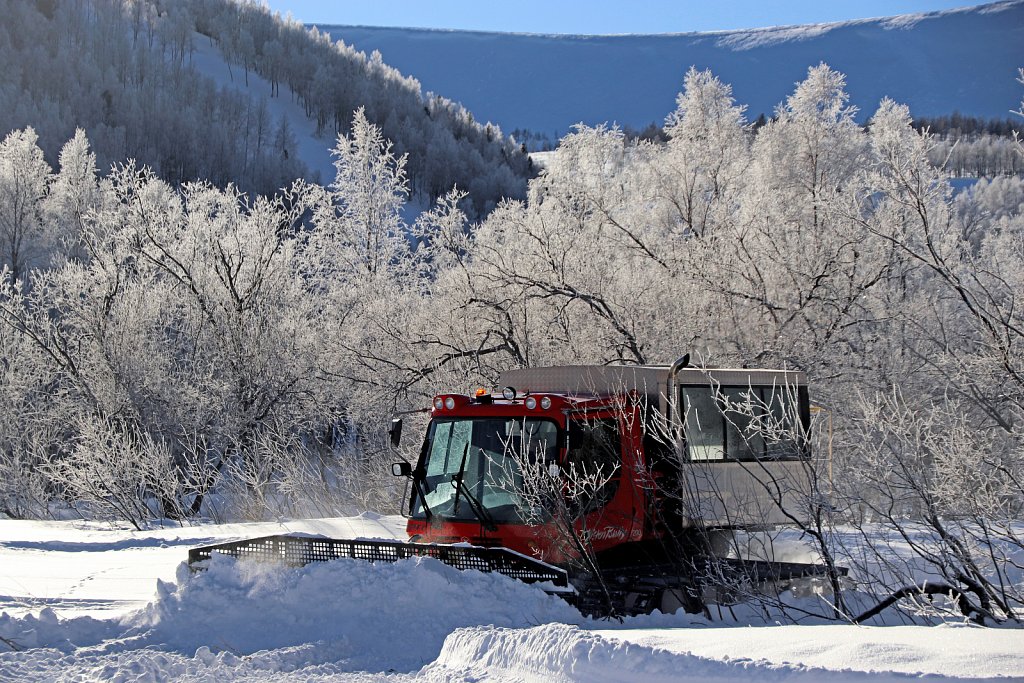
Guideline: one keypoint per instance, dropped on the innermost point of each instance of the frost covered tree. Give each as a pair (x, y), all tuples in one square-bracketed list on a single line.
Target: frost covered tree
[(73, 194), (356, 250), (249, 329), (812, 147), (24, 177), (790, 266), (358, 226), (549, 278), (30, 430), (706, 156), (186, 325)]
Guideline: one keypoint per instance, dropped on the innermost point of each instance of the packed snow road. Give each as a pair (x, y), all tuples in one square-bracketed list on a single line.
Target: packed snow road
[(87, 602)]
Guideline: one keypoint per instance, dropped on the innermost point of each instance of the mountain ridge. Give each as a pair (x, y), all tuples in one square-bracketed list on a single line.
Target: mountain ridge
[(961, 59), (895, 20)]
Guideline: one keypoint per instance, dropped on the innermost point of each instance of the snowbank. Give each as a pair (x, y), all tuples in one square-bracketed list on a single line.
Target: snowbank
[(350, 614), (375, 617), (47, 630), (556, 652)]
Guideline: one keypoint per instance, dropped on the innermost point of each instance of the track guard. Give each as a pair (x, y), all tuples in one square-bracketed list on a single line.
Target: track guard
[(296, 551)]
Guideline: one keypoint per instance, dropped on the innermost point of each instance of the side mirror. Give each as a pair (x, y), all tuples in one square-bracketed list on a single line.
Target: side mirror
[(395, 432), (401, 469)]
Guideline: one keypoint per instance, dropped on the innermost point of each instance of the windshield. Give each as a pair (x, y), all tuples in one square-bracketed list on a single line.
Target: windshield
[(490, 448)]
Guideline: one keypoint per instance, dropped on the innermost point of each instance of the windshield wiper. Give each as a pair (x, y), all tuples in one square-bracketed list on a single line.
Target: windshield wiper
[(486, 521), (419, 486)]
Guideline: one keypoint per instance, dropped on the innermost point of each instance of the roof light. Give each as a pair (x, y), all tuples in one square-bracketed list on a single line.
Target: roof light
[(545, 402), (480, 392), (449, 403), (508, 393), (531, 403), (438, 403)]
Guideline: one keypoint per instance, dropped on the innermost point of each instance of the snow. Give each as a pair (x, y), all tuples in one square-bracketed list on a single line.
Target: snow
[(776, 35), (959, 60), (83, 601), (313, 149), (557, 652), (92, 569), (954, 650), (361, 612)]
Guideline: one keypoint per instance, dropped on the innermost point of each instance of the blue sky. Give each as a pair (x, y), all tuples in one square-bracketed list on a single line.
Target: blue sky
[(598, 16)]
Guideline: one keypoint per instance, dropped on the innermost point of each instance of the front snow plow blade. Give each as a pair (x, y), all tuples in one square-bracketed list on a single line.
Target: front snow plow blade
[(296, 551)]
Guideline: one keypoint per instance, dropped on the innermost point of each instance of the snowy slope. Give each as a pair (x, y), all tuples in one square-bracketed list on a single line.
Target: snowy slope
[(417, 620), (314, 150), (936, 63)]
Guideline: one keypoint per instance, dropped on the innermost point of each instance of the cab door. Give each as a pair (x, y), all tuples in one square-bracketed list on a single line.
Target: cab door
[(600, 470)]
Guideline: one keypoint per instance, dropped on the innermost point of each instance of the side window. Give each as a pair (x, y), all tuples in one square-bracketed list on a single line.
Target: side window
[(741, 423), (743, 409), (593, 461), (703, 426), (437, 462), (783, 423)]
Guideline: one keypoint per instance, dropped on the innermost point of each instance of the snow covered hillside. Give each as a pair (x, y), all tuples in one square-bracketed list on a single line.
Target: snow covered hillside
[(936, 63), (83, 601), (229, 93), (314, 149)]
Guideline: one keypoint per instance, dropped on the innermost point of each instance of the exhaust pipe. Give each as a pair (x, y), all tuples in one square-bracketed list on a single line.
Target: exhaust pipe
[(674, 414)]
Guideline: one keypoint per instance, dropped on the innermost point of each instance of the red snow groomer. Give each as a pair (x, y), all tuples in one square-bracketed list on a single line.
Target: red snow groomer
[(619, 487)]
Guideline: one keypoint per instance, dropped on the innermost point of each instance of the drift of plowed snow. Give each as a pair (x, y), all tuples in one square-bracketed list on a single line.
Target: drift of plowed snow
[(352, 615), (390, 615)]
